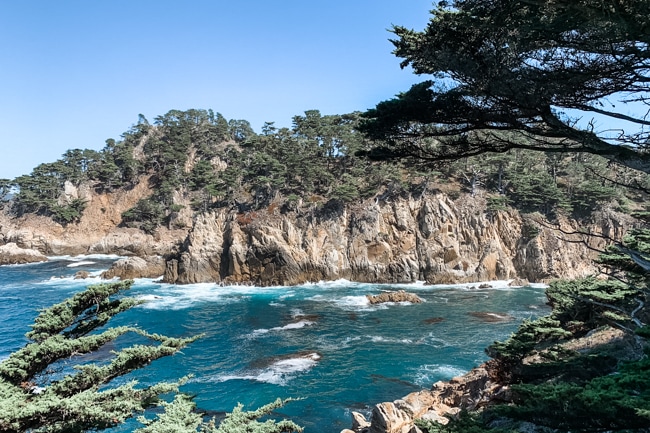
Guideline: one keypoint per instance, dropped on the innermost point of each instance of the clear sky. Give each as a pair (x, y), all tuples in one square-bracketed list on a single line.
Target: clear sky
[(76, 72)]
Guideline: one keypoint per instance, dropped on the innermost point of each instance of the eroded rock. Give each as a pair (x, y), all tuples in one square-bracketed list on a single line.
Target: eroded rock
[(12, 254), (444, 400)]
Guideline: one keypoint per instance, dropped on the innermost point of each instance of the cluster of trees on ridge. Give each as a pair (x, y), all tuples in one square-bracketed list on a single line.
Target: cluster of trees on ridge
[(509, 68), (199, 159)]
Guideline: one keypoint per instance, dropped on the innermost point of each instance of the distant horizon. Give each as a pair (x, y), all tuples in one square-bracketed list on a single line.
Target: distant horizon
[(78, 73)]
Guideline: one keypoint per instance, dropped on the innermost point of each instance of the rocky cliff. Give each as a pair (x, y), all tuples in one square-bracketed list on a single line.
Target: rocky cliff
[(432, 238), (97, 232)]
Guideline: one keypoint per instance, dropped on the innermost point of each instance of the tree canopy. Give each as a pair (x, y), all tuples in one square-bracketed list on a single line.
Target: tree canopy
[(533, 74)]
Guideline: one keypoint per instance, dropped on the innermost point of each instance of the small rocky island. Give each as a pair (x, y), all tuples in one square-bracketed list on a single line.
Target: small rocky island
[(399, 296)]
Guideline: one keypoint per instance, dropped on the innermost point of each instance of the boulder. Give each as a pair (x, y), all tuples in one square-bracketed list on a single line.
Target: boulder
[(136, 267), (519, 282), (12, 254), (399, 296), (81, 275), (359, 422)]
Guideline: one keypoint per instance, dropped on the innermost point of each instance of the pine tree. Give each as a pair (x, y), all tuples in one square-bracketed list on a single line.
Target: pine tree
[(48, 385)]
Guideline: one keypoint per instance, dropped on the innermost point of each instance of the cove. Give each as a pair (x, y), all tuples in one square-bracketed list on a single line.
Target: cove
[(321, 342)]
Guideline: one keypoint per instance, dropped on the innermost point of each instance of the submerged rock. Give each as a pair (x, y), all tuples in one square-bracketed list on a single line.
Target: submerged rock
[(491, 317), (12, 254), (399, 296)]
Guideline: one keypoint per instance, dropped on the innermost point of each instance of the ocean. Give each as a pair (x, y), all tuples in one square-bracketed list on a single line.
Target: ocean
[(320, 342)]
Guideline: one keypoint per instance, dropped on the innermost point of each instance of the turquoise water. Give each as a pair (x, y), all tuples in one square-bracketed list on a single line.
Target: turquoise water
[(321, 342)]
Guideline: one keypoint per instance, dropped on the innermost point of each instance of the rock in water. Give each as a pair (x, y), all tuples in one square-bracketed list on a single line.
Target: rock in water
[(359, 422), (12, 254), (491, 317), (136, 267), (519, 282), (399, 296), (81, 275)]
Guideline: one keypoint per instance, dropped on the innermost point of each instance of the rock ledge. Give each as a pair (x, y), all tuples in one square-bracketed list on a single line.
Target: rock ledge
[(12, 254)]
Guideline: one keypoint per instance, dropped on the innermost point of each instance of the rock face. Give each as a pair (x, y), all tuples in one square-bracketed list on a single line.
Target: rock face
[(96, 233), (12, 254), (432, 239)]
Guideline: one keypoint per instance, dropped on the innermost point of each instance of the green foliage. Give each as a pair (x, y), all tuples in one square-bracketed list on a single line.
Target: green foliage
[(612, 402), (465, 423), (146, 215), (536, 191), (529, 334), (630, 260), (497, 203), (31, 400), (180, 417), (35, 397), (201, 158), (240, 421), (593, 302), (508, 74), (69, 213)]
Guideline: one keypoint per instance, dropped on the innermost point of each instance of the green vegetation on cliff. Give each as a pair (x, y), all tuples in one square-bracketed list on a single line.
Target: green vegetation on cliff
[(196, 160)]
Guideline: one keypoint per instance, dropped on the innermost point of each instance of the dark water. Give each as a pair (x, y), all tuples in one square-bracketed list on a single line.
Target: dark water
[(321, 342)]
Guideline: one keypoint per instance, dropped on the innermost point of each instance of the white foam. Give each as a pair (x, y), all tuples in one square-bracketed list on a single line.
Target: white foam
[(93, 278), (170, 297), (495, 285), (428, 374), (381, 339), (82, 257), (82, 263), (150, 298), (353, 302), (334, 284), (326, 344), (293, 325), (278, 373)]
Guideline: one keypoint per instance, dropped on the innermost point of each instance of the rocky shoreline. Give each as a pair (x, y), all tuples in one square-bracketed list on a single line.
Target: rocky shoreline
[(432, 238), (444, 399), (478, 388)]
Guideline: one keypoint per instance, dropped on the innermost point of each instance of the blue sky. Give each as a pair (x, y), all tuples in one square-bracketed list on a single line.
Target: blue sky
[(75, 73)]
